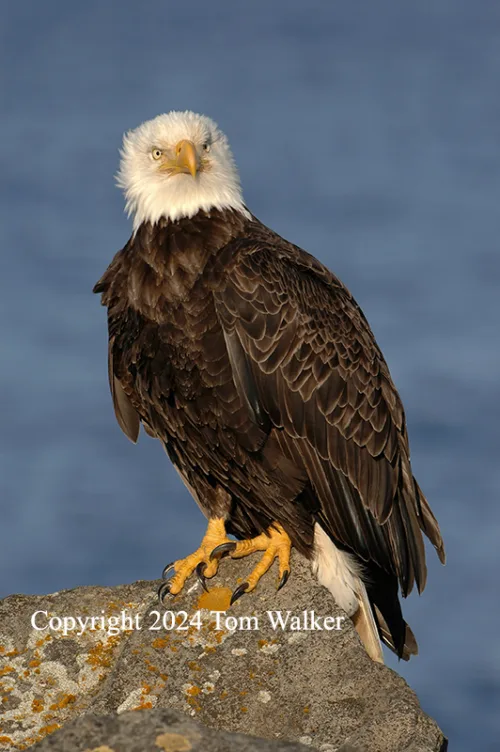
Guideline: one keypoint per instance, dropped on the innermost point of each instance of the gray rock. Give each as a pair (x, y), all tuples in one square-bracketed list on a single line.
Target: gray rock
[(313, 686), (152, 731)]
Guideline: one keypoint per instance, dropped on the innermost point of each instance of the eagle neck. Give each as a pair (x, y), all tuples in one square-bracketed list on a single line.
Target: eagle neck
[(167, 259)]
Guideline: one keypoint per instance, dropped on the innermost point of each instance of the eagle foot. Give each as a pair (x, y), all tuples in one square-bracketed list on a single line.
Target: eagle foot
[(199, 561), (275, 543)]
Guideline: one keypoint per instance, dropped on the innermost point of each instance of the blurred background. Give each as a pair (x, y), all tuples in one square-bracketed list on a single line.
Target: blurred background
[(366, 132)]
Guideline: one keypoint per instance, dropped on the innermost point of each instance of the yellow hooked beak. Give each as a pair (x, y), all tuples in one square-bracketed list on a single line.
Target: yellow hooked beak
[(185, 158)]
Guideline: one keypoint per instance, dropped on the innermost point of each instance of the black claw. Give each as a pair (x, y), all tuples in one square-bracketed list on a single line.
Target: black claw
[(284, 579), (241, 590), (167, 570), (222, 550), (200, 569), (163, 590)]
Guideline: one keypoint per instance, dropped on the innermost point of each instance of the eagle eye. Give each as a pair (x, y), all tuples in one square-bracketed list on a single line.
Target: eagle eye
[(206, 146), (156, 153)]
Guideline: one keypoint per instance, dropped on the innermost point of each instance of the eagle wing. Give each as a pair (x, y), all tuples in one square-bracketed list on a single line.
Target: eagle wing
[(127, 417), (305, 361)]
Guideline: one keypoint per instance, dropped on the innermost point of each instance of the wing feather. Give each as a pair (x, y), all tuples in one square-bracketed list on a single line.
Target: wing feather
[(126, 415), (304, 358)]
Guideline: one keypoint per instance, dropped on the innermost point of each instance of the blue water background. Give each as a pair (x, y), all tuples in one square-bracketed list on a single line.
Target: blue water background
[(366, 132)]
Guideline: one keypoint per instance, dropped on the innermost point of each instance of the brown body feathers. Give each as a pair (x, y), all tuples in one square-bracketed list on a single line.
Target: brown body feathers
[(258, 371)]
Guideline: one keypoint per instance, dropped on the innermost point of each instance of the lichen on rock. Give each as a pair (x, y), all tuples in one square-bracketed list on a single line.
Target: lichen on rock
[(235, 671)]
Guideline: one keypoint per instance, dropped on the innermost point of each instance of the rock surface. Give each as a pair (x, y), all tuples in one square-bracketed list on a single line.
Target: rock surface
[(313, 686), (152, 731)]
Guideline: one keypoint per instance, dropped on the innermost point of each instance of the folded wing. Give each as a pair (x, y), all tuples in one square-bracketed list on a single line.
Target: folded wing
[(306, 362)]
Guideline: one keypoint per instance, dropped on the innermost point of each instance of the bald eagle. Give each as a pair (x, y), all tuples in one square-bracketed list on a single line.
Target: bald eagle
[(257, 370)]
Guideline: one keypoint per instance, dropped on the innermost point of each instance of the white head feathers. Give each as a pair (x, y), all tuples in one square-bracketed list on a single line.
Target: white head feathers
[(176, 165)]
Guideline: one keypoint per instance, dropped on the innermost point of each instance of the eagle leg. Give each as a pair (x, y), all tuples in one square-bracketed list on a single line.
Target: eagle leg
[(275, 543), (199, 560)]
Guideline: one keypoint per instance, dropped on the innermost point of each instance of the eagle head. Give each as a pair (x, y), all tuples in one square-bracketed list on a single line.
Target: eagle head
[(176, 165)]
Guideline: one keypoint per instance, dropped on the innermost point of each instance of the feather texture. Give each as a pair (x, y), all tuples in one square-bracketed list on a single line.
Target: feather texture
[(256, 368)]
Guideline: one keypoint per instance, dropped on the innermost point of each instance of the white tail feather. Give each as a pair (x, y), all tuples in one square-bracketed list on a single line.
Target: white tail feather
[(340, 573), (366, 628)]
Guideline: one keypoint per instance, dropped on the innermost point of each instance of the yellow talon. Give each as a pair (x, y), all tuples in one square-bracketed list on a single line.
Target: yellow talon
[(215, 535), (275, 543)]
